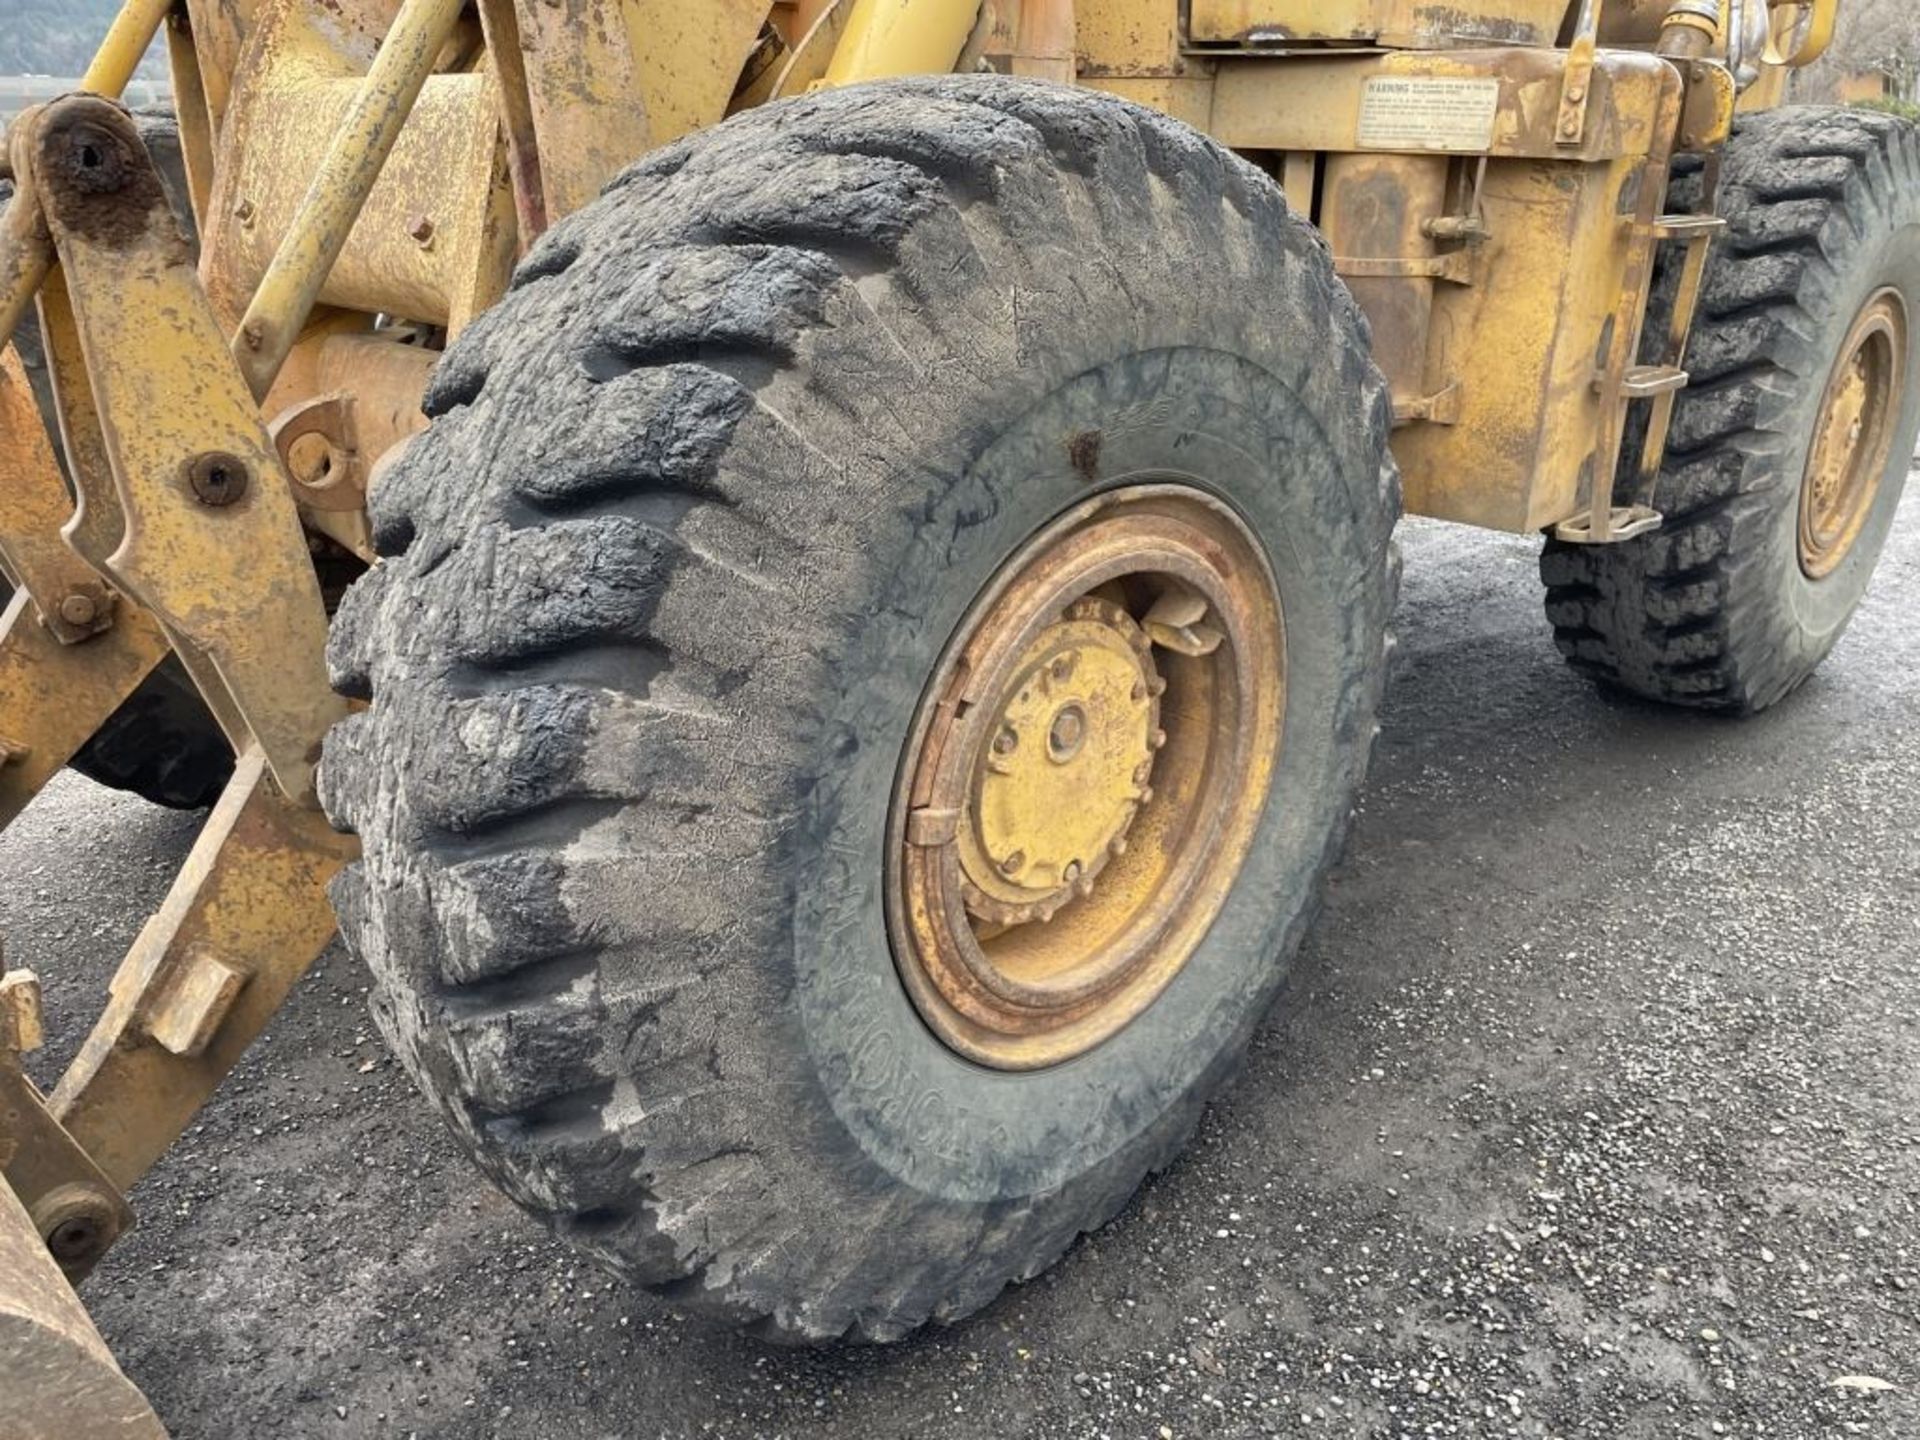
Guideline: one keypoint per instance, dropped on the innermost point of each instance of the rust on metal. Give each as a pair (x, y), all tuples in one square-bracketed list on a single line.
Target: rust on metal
[(1085, 775), (1853, 438), (221, 561)]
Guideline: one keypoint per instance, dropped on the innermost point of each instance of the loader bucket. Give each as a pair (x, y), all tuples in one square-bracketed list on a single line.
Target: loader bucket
[(60, 1380)]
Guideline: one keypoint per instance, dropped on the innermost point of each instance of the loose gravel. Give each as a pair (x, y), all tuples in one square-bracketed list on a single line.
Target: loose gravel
[(1593, 1113)]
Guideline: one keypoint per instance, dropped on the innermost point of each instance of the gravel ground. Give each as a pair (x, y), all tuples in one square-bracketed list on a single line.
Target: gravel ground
[(1593, 1112)]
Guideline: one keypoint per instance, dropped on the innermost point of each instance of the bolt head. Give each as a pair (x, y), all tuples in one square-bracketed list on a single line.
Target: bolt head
[(75, 1238), (421, 229), (79, 610), (217, 479)]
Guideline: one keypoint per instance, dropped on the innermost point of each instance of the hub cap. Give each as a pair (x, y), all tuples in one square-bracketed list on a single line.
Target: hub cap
[(1853, 437), (1084, 776)]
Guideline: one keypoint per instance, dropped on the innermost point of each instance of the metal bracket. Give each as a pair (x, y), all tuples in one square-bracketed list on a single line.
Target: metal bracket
[(1576, 88), (212, 542), (1455, 267), (1624, 522), (1441, 408), (76, 1210), (245, 918)]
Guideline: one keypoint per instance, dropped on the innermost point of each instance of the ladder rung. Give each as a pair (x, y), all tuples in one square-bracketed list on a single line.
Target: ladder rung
[(1643, 382), (1688, 227)]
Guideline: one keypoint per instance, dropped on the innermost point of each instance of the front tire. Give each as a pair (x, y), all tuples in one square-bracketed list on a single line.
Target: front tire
[(1775, 510), (704, 504)]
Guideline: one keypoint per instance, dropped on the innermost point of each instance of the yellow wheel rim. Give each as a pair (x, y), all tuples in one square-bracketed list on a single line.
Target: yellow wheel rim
[(1084, 776), (1853, 438)]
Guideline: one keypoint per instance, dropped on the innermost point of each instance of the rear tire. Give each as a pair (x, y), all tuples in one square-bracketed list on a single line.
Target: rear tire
[(1719, 609), (702, 502)]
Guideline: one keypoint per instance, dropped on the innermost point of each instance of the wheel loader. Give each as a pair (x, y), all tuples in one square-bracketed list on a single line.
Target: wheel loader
[(807, 582)]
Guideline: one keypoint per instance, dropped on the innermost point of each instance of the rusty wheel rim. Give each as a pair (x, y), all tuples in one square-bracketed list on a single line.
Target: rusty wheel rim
[(1084, 776), (1853, 438)]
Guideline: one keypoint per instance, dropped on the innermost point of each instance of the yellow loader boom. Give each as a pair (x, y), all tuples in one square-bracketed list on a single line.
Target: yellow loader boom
[(838, 614)]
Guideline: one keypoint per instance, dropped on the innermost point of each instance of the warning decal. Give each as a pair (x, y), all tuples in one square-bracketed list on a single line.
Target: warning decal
[(1416, 112)]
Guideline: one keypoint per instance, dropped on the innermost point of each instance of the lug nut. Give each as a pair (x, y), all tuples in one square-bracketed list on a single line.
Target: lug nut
[(1007, 741), (1011, 865)]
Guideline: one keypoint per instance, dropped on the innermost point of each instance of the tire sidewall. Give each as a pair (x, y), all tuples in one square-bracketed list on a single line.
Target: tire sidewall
[(1887, 256), (932, 1120)]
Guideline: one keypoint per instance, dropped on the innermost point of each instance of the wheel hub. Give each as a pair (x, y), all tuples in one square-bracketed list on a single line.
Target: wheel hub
[(1084, 776), (1057, 788), (1853, 437)]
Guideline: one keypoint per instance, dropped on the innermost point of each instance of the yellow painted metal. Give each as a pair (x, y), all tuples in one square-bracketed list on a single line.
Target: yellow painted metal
[(602, 95), (1410, 23), (1329, 96), (53, 696), (69, 599), (1045, 42), (886, 38), (1853, 438), (359, 147), (70, 651), (1130, 39), (586, 105), (1794, 47), (251, 899), (1065, 759), (125, 44), (362, 157), (434, 239), (191, 112), (687, 60), (77, 1212), (61, 1382), (506, 55), (1084, 776), (213, 544), (1378, 213), (1554, 267), (806, 58), (26, 251)]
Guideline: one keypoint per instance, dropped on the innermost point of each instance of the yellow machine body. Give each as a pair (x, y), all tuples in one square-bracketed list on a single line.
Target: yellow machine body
[(1489, 175)]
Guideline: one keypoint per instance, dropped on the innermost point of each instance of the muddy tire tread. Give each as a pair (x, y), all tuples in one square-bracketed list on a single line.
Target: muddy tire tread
[(1668, 616), (609, 618)]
